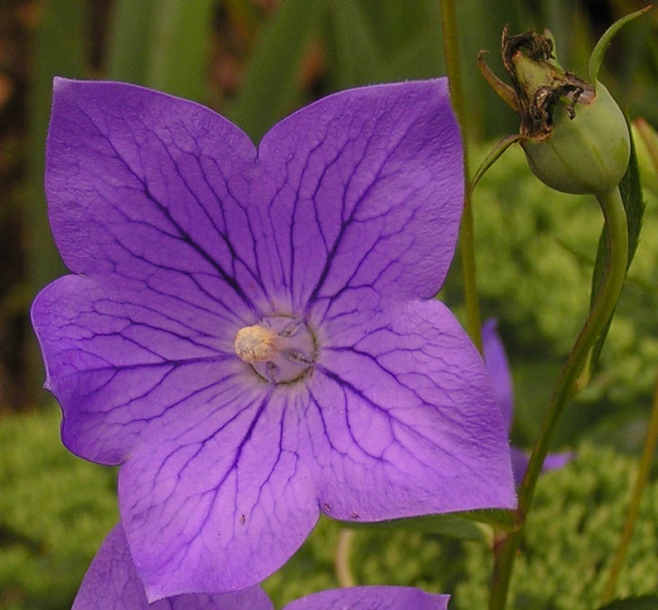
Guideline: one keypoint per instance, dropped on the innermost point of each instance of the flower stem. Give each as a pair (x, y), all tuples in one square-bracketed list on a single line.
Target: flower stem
[(646, 461), (600, 314), (466, 241), (342, 560)]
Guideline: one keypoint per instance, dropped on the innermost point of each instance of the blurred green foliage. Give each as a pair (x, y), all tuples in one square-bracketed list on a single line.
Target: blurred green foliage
[(572, 534), (55, 510), (535, 250)]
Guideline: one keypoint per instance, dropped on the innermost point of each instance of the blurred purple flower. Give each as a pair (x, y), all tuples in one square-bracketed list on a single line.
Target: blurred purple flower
[(251, 332), (111, 583), (498, 366)]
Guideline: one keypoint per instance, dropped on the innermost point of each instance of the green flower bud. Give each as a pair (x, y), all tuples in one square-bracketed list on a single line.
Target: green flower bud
[(574, 135), (588, 148)]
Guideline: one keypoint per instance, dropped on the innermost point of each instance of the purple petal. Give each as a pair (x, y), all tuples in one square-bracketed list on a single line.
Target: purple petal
[(407, 422), (371, 598), (555, 461), (140, 188), (223, 503), (125, 364), (521, 459), (144, 188), (364, 191), (181, 235), (111, 583), (498, 366)]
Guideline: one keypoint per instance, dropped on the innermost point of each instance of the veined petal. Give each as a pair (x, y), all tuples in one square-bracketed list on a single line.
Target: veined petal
[(124, 362), (139, 182), (371, 598), (409, 421), (373, 404), (111, 583), (364, 189), (220, 505)]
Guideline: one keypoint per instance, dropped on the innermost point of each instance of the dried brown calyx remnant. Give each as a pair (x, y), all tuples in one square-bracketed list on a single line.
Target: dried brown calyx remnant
[(538, 82)]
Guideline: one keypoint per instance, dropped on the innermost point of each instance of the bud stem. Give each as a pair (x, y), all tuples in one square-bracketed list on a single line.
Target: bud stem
[(600, 314)]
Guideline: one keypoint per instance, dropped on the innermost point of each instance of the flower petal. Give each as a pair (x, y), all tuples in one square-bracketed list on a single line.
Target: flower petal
[(498, 366), (221, 504), (141, 184), (410, 425), (181, 235), (365, 189), (123, 361), (371, 598), (553, 461), (111, 583)]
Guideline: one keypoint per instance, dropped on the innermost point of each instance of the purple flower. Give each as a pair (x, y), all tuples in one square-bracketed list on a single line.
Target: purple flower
[(251, 332), (498, 366), (111, 583)]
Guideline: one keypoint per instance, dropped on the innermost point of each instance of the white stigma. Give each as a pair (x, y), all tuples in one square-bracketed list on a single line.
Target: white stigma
[(255, 344)]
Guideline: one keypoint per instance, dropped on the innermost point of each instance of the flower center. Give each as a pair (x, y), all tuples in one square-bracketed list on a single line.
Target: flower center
[(281, 349)]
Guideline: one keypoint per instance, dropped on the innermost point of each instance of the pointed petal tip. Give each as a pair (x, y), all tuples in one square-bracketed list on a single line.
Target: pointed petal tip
[(60, 83)]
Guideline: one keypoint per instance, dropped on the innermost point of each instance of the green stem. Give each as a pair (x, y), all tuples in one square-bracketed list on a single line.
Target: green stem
[(466, 240), (599, 316), (342, 566), (644, 471)]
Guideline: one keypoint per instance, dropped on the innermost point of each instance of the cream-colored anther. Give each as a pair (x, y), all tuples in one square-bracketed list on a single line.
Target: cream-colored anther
[(255, 344)]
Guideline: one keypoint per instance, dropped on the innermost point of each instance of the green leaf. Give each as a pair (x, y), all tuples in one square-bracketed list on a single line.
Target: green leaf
[(271, 84), (491, 158), (452, 525), (644, 602), (397, 23), (352, 43), (163, 45), (421, 57), (178, 50), (503, 519), (60, 43), (634, 204), (464, 525), (596, 58), (132, 28), (59, 50)]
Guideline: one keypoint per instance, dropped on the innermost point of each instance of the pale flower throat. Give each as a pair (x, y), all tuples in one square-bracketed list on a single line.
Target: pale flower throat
[(281, 349)]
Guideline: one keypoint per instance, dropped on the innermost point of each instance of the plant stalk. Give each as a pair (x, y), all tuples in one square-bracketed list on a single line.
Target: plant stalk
[(466, 238), (602, 310), (644, 471)]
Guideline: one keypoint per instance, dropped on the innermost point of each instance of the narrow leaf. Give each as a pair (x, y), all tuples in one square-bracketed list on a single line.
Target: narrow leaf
[(596, 58), (178, 48), (271, 80), (421, 57), (132, 27), (465, 525), (60, 43), (451, 525), (356, 56), (491, 158), (59, 50)]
